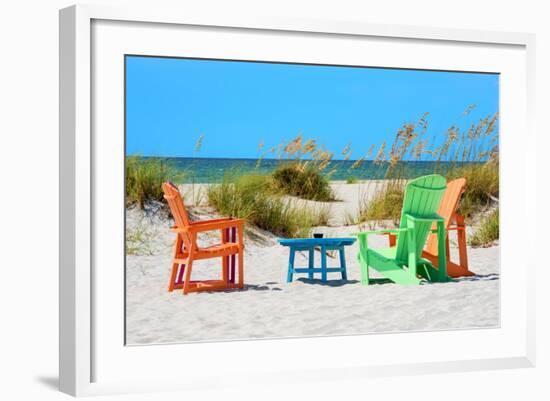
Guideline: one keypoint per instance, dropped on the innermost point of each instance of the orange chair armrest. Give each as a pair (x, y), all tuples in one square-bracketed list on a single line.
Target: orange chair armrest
[(202, 222), (216, 225)]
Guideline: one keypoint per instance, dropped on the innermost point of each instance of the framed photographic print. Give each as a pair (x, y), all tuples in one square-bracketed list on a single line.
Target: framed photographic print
[(235, 193)]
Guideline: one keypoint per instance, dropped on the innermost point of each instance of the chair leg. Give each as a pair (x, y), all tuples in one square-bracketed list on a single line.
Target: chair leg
[(238, 236), (364, 262), (173, 277), (177, 249), (392, 240), (225, 269), (241, 269), (363, 258), (441, 251), (188, 268), (180, 274), (411, 245), (447, 247), (461, 234), (225, 259), (232, 259)]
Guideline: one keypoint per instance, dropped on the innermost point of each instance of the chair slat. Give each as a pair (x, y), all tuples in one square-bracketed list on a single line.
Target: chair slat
[(422, 198)]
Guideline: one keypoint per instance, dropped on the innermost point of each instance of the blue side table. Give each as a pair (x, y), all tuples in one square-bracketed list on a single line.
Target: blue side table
[(309, 244)]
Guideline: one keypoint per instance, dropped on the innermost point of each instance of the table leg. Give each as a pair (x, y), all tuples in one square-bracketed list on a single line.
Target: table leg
[(323, 264), (311, 263), (290, 265), (343, 264)]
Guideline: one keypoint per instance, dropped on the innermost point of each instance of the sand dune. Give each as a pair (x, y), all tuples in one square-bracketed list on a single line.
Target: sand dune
[(269, 307)]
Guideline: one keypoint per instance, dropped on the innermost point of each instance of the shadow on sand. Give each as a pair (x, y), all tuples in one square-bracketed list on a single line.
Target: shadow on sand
[(329, 283), (479, 277), (340, 283), (248, 287)]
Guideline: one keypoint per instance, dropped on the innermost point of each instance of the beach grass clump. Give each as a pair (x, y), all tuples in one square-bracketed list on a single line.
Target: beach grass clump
[(239, 195), (386, 204), (144, 177), (471, 153), (482, 186), (303, 181), (250, 197), (303, 170), (488, 231), (352, 180), (482, 191)]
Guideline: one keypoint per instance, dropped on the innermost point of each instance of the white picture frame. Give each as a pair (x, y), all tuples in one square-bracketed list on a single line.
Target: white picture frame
[(80, 349)]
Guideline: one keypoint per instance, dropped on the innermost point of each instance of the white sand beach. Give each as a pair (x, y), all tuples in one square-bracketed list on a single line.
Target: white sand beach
[(269, 307)]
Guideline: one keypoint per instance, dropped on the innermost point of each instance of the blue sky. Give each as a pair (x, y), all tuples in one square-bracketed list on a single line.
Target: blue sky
[(236, 105)]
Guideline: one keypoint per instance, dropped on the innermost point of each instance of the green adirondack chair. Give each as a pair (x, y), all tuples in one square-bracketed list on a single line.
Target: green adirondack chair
[(403, 263)]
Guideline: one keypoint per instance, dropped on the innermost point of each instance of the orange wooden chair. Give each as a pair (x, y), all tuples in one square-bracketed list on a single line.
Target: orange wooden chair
[(448, 209), (453, 221), (186, 250)]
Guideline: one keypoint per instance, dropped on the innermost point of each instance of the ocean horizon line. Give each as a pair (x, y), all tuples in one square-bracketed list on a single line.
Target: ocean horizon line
[(294, 159), (212, 170)]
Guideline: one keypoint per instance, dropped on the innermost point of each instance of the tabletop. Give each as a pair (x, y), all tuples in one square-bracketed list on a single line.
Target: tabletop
[(316, 241)]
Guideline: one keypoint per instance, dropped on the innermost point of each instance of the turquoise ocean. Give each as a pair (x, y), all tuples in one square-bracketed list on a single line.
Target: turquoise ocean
[(212, 170)]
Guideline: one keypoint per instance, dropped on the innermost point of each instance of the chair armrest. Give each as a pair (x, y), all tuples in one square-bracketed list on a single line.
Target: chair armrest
[(428, 219), (211, 225), (202, 222), (363, 236), (379, 232), (434, 218)]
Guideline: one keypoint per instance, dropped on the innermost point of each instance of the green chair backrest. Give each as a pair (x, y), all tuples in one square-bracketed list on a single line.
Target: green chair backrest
[(422, 198)]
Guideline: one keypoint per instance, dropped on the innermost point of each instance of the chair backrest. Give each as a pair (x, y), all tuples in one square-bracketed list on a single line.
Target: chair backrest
[(422, 199), (175, 202), (447, 209)]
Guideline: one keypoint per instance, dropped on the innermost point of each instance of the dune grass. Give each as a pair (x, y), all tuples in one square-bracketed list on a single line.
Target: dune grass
[(260, 198), (305, 182), (386, 204), (488, 231), (306, 168), (303, 169), (482, 190), (144, 177), (461, 154), (250, 196), (482, 187)]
